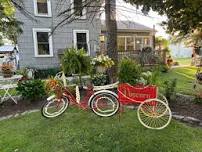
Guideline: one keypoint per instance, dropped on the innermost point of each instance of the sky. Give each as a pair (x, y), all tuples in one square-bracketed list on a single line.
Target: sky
[(126, 11)]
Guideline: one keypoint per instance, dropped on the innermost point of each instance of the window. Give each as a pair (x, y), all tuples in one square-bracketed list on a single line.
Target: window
[(77, 8), (81, 39), (42, 43), (130, 43), (141, 42), (121, 43), (138, 43), (42, 8), (125, 43), (146, 41)]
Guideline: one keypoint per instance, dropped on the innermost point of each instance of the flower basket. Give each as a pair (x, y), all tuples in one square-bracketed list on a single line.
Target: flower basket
[(102, 63), (7, 70), (101, 69), (7, 75)]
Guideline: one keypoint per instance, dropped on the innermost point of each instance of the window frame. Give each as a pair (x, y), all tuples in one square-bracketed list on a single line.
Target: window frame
[(87, 38), (134, 38), (142, 37), (49, 14), (50, 40), (84, 11), (125, 39)]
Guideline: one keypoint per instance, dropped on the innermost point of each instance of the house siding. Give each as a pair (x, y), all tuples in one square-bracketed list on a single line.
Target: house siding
[(62, 37)]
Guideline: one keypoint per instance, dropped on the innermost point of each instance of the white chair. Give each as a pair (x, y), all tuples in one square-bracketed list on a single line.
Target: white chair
[(6, 88)]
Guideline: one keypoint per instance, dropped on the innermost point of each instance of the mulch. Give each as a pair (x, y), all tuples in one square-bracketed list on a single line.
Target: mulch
[(191, 110), (10, 108)]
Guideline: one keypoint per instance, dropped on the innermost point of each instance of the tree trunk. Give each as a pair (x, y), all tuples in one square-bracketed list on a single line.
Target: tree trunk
[(111, 33)]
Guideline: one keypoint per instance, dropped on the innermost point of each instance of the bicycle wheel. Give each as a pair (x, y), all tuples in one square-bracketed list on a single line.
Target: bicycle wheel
[(162, 98), (154, 114), (55, 107), (104, 104)]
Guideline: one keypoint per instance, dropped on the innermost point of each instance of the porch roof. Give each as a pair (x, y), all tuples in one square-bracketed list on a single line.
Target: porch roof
[(129, 26)]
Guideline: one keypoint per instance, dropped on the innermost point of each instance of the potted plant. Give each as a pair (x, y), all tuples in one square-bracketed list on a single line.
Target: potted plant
[(102, 63), (76, 61), (53, 85), (7, 70)]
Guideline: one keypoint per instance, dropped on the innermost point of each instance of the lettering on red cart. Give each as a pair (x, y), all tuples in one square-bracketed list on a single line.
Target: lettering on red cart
[(136, 94)]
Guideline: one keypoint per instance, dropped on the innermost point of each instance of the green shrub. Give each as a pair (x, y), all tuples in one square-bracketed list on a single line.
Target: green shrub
[(164, 68), (129, 71), (150, 78), (31, 89), (99, 79), (170, 89), (45, 73)]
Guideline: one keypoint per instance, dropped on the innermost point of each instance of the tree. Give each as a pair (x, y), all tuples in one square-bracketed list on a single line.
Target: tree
[(1, 41), (184, 16), (9, 26), (111, 29)]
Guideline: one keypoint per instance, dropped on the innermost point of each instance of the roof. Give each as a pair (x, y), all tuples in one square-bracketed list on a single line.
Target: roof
[(6, 48), (129, 25)]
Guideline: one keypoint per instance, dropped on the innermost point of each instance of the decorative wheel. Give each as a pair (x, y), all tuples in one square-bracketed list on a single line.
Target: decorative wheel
[(154, 114), (55, 107), (104, 104)]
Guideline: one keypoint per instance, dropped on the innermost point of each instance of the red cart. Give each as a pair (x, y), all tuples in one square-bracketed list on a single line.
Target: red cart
[(153, 111)]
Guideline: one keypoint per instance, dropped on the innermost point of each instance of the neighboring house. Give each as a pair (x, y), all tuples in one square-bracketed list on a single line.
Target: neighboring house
[(40, 49), (132, 36)]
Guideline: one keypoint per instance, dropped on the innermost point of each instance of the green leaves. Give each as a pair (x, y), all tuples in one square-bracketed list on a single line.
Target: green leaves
[(130, 72), (183, 15), (9, 26), (76, 62), (31, 89)]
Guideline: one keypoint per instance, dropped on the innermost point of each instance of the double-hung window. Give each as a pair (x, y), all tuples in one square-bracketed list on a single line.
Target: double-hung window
[(42, 8), (81, 40), (42, 42), (78, 8)]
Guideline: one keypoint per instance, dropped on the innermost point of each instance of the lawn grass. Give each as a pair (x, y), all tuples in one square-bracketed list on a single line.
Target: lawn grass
[(11, 91), (183, 61), (185, 79), (83, 131)]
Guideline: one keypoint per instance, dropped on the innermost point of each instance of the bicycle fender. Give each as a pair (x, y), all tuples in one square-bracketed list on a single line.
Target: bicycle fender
[(51, 97), (102, 91)]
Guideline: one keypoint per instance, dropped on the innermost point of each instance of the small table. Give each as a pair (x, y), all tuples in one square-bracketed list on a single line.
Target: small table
[(8, 83)]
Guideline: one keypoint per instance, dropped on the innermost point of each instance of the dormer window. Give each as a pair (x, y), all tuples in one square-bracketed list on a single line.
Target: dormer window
[(78, 10), (42, 8)]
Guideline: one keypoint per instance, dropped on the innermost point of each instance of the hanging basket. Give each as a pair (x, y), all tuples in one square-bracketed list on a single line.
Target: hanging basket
[(101, 69)]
